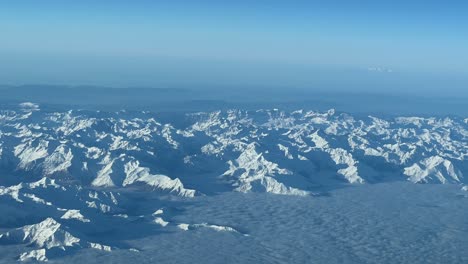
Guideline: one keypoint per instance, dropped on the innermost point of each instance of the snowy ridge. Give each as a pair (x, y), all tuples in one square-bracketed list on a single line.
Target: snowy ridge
[(433, 168), (159, 220), (217, 228), (136, 174), (46, 235), (52, 237), (252, 169)]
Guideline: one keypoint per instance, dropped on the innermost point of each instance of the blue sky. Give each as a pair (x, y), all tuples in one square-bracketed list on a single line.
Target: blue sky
[(308, 44)]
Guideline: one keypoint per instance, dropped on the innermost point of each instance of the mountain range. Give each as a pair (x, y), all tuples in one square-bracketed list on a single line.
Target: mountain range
[(68, 176)]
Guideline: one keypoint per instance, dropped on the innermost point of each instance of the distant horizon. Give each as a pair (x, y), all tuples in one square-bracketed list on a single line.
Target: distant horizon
[(208, 99), (238, 88)]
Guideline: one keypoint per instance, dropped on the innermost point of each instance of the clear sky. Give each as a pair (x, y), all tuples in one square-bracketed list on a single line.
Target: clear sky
[(363, 45)]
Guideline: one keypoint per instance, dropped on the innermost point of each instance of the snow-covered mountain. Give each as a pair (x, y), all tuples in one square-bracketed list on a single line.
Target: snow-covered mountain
[(66, 174), (265, 150)]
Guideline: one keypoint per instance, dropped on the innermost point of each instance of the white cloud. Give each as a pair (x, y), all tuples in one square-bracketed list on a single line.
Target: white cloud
[(380, 69)]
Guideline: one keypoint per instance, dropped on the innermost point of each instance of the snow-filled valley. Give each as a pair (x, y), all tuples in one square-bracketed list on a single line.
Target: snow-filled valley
[(265, 186)]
